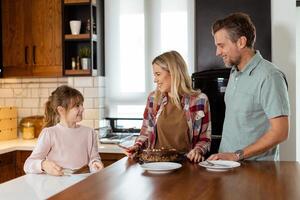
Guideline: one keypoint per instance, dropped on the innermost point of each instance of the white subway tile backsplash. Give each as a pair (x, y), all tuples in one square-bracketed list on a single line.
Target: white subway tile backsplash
[(37, 111), (71, 81), (24, 112), (30, 85), (12, 85), (31, 94), (91, 92), (83, 82), (30, 102), (10, 102), (48, 85), (44, 92), (35, 92), (19, 103), (88, 123), (91, 114), (21, 93), (11, 80), (48, 80), (6, 93), (88, 103), (2, 102)]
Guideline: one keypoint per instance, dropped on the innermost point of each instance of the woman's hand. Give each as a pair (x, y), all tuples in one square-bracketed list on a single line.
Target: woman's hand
[(96, 166), (51, 168), (195, 156), (223, 156), (131, 151)]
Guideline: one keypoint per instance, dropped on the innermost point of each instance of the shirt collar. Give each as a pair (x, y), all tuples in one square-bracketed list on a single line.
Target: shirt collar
[(251, 65)]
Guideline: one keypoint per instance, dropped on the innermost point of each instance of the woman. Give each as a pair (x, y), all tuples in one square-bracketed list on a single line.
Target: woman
[(176, 116)]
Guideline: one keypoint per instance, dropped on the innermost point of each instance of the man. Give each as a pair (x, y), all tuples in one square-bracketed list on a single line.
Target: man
[(256, 98)]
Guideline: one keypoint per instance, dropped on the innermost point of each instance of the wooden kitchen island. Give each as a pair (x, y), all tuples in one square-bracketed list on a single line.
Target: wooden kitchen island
[(125, 179)]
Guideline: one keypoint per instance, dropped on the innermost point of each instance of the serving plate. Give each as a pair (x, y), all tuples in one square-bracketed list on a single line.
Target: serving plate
[(219, 165), (161, 167)]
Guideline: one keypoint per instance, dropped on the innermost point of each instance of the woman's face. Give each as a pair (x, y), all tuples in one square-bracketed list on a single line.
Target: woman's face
[(162, 78)]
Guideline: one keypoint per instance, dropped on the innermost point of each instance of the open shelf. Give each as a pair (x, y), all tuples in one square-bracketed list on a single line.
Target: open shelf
[(72, 2), (78, 72), (84, 36)]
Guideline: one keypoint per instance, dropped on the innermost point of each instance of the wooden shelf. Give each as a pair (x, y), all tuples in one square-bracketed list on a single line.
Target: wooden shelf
[(85, 36), (78, 72), (79, 2)]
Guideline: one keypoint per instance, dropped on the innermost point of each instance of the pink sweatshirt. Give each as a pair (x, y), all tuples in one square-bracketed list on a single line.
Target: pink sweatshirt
[(67, 147)]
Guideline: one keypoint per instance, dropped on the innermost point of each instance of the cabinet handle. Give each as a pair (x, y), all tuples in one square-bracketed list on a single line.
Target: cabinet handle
[(33, 54), (26, 54)]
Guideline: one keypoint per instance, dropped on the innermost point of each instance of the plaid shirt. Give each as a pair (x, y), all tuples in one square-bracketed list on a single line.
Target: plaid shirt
[(197, 113)]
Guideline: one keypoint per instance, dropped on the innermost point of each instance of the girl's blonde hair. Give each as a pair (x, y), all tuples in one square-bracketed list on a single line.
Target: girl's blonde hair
[(63, 96), (181, 85)]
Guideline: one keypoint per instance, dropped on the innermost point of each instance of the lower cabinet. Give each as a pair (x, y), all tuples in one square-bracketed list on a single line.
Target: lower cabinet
[(110, 158), (21, 157), (11, 164), (7, 166)]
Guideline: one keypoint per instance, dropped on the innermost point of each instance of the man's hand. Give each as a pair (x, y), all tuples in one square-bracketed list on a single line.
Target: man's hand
[(51, 168), (224, 156)]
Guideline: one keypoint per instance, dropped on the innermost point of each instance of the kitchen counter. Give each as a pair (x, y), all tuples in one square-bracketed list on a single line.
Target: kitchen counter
[(125, 179), (37, 186), (28, 145)]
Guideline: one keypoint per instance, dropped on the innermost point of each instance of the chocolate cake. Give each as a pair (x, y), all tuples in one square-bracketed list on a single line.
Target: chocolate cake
[(159, 155)]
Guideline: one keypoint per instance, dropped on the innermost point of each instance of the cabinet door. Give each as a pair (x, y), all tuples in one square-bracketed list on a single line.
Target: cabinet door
[(21, 157), (15, 38), (46, 30), (7, 166)]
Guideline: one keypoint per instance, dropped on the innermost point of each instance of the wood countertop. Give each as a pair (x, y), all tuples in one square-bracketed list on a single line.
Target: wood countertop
[(125, 179)]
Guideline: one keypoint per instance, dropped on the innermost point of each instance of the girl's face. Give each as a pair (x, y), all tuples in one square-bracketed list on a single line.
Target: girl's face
[(162, 78), (72, 116)]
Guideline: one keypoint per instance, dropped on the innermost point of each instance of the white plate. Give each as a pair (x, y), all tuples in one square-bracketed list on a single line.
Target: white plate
[(219, 165), (160, 167)]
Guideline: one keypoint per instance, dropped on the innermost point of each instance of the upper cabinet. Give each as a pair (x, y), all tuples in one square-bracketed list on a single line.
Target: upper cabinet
[(83, 37), (31, 38)]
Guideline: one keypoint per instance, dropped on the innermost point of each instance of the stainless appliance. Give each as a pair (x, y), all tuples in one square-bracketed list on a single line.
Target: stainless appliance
[(213, 83), (119, 130)]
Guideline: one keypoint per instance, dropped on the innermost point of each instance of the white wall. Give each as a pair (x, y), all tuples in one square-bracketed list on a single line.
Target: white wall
[(283, 14), (298, 81)]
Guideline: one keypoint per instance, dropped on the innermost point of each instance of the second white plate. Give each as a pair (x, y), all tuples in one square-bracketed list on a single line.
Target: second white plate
[(219, 165), (161, 167)]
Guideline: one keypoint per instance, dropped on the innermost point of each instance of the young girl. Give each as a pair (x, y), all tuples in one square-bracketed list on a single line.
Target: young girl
[(64, 144)]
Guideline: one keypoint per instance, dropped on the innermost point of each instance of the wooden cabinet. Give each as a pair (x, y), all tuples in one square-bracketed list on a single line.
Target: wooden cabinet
[(7, 166), (110, 158), (91, 37), (21, 157), (31, 38)]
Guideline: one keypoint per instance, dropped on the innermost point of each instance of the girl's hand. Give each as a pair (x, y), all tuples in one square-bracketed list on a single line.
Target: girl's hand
[(51, 168), (131, 151), (195, 156), (97, 166)]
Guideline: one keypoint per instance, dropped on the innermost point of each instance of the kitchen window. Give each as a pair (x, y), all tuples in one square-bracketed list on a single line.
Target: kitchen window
[(135, 32)]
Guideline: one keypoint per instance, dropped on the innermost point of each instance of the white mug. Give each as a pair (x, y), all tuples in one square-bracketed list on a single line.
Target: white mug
[(75, 27)]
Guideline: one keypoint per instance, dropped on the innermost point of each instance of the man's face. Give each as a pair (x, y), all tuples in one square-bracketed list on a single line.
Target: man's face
[(227, 49)]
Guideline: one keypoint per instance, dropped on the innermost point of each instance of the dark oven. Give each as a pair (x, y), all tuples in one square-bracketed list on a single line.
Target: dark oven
[(213, 83)]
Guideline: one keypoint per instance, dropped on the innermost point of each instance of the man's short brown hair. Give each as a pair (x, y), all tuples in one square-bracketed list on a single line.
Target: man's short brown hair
[(237, 25)]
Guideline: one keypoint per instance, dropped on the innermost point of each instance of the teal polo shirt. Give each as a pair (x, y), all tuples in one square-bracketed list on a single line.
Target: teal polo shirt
[(253, 96)]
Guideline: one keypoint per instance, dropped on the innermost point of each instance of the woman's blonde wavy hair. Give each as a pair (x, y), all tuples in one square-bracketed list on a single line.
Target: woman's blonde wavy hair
[(181, 85)]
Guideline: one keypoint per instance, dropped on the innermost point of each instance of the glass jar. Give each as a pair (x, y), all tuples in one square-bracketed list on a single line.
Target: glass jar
[(27, 130)]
